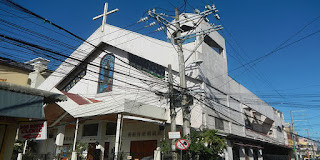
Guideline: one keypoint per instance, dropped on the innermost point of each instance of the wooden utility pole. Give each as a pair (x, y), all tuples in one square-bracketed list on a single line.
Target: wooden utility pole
[(173, 113), (184, 105), (178, 39)]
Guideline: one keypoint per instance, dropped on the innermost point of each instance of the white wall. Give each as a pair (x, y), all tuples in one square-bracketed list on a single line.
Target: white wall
[(212, 71)]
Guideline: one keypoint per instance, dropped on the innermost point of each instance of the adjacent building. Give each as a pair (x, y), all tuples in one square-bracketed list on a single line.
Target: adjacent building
[(31, 73), (306, 148), (14, 72), (19, 102)]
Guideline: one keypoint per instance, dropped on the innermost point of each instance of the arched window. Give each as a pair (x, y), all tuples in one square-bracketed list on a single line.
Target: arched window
[(106, 74)]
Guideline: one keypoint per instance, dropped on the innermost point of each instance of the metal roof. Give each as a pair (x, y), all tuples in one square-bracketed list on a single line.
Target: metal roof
[(25, 102), (49, 97)]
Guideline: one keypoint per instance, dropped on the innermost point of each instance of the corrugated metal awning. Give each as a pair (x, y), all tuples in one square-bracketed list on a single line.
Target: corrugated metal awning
[(49, 97), (25, 102), (13, 104)]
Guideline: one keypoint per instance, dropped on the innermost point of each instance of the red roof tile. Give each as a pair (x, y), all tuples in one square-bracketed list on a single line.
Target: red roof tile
[(79, 99)]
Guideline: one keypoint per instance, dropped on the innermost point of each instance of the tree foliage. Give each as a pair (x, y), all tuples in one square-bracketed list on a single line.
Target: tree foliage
[(206, 145), (165, 146)]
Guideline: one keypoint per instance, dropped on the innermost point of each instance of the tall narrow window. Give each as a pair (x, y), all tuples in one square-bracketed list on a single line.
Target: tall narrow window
[(111, 128), (214, 45), (219, 123), (106, 74)]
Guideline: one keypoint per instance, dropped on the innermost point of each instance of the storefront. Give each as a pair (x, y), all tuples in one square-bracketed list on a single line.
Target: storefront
[(20, 104)]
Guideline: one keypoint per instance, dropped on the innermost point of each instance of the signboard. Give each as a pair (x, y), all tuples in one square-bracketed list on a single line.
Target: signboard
[(174, 135), (182, 144), (129, 157), (33, 130)]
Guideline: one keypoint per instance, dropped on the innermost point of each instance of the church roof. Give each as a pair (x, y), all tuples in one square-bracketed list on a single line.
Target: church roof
[(149, 48), (79, 99)]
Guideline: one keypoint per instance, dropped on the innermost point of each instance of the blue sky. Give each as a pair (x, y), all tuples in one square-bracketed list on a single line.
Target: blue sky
[(288, 80)]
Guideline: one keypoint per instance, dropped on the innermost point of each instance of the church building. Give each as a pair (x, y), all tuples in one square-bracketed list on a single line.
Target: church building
[(116, 83)]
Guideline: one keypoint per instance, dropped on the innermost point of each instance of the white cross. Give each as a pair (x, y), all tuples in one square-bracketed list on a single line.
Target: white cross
[(104, 15)]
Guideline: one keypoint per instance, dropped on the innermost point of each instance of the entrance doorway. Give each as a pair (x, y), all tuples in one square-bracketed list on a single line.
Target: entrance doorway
[(141, 149), (91, 150), (235, 152), (93, 153)]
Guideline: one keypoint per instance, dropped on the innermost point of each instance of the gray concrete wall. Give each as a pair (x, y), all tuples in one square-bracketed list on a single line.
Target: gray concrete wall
[(214, 71)]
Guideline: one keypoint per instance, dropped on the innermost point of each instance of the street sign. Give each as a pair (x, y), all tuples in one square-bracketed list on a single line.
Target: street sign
[(182, 144), (174, 135), (33, 130)]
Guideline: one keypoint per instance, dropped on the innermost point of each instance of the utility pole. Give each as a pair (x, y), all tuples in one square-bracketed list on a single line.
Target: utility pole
[(74, 153), (185, 107), (173, 113), (293, 137), (177, 39)]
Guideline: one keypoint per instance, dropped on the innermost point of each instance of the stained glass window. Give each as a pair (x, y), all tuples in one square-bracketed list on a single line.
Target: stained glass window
[(146, 65), (106, 73)]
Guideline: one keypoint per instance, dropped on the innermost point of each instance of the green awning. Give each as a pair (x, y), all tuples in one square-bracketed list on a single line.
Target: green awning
[(13, 104)]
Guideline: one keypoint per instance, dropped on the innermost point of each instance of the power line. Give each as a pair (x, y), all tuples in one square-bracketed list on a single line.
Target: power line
[(44, 36), (249, 117), (57, 53), (50, 51), (57, 26), (257, 60)]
